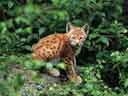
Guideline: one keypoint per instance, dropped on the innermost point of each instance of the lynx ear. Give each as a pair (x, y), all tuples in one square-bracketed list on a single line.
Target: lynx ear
[(69, 26), (86, 28)]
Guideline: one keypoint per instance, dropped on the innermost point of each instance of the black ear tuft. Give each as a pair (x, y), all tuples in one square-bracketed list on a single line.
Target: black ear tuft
[(68, 26), (86, 28)]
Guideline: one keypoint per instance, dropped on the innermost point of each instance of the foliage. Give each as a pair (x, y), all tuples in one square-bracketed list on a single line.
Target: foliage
[(27, 81), (103, 58)]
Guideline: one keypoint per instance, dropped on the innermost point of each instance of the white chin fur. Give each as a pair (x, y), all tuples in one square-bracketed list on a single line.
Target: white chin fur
[(73, 44)]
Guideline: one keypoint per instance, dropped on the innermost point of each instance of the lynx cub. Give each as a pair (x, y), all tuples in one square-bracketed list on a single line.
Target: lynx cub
[(63, 46)]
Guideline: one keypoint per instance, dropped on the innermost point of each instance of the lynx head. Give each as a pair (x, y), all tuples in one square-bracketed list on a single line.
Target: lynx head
[(77, 35)]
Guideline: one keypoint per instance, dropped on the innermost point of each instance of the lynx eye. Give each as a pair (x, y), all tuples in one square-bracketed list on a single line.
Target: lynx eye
[(80, 37)]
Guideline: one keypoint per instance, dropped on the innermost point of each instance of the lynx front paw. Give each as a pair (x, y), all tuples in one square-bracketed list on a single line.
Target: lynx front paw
[(75, 79), (78, 80)]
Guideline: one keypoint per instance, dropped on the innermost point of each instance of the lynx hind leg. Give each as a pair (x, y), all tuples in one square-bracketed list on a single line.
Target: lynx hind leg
[(53, 72), (71, 71)]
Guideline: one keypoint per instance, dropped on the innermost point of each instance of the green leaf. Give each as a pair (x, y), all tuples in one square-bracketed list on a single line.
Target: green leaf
[(41, 30), (61, 66), (126, 83), (104, 40)]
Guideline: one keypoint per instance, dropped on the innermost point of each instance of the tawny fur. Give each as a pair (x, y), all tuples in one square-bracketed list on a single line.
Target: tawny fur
[(62, 45)]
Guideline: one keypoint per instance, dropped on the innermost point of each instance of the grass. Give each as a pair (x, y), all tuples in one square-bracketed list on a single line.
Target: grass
[(21, 76)]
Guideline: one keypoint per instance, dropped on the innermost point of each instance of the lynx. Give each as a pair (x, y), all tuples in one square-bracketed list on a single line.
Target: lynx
[(63, 46)]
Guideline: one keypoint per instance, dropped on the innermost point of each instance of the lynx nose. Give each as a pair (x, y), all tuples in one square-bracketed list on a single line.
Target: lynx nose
[(77, 41)]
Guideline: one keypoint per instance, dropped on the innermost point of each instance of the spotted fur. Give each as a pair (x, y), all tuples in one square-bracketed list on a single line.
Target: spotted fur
[(62, 45)]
